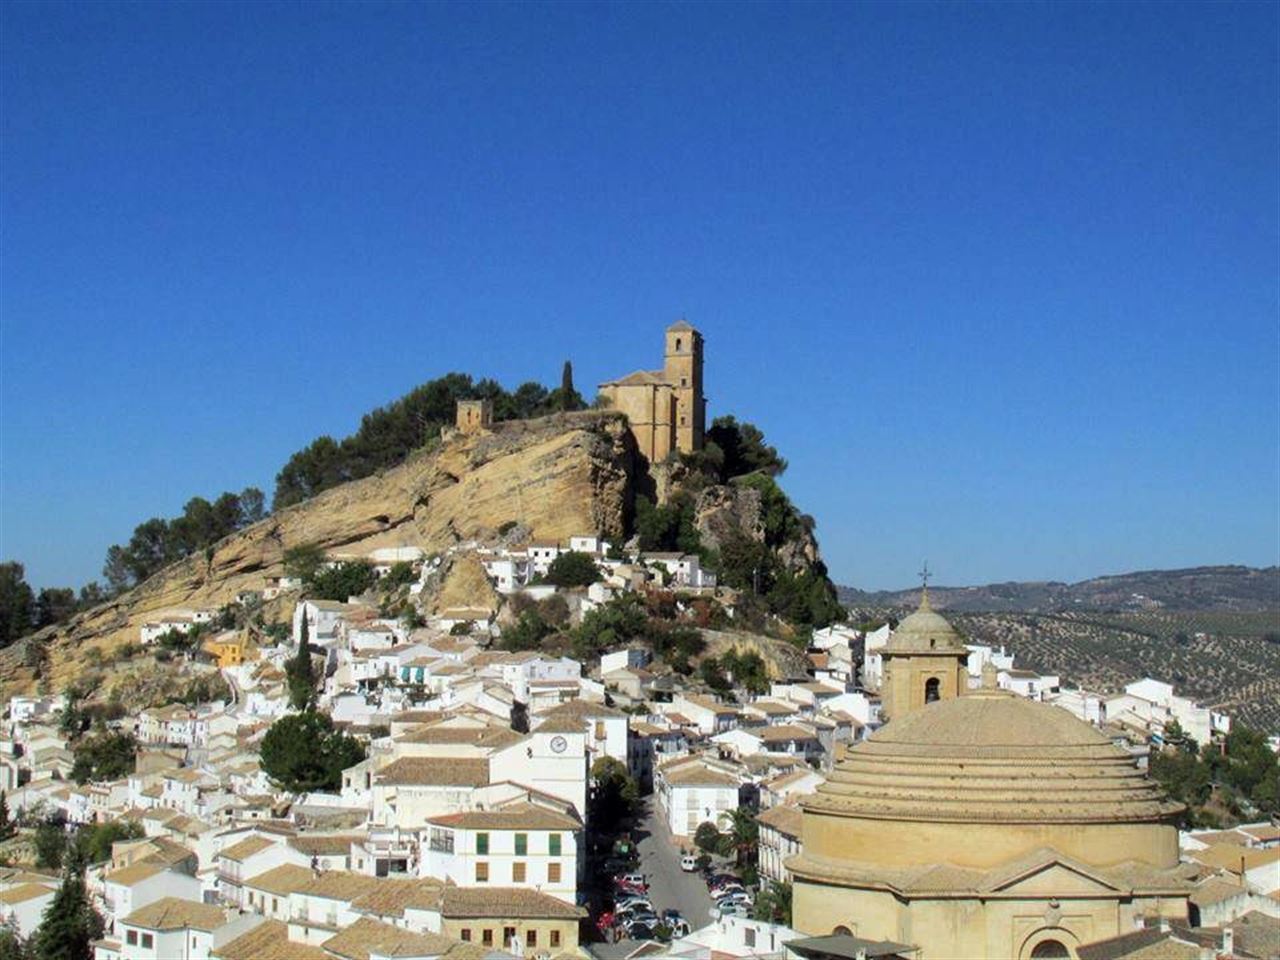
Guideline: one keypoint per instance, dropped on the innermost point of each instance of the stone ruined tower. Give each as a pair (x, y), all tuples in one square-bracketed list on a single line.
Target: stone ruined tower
[(474, 415), (682, 369)]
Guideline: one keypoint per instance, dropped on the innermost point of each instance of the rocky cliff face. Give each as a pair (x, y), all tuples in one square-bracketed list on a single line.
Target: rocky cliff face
[(556, 476)]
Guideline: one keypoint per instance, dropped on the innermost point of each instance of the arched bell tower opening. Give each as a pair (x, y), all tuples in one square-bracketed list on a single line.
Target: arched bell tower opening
[(931, 689)]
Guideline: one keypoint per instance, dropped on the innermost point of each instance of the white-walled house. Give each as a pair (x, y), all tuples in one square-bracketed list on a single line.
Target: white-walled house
[(872, 660), (1154, 703), (691, 791), (180, 621), (518, 845), (324, 620), (1028, 683), (23, 905)]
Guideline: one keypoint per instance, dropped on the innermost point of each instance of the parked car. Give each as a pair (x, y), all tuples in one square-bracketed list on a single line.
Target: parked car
[(632, 879), (717, 892), (638, 931), (735, 910), (631, 901), (688, 863), (678, 924), (734, 896), (637, 912)]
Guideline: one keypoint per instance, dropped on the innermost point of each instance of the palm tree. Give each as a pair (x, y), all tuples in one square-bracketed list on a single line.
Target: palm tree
[(743, 834)]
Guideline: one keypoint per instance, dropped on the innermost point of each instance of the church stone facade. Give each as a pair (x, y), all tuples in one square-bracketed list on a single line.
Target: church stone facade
[(978, 824), (666, 408)]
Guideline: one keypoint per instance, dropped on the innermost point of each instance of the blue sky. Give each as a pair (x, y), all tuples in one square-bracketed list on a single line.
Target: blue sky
[(999, 280)]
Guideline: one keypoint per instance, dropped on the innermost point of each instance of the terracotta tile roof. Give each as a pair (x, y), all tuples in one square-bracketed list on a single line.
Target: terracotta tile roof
[(173, 913), (282, 880), (774, 707), (246, 848), (340, 885), (135, 872), (698, 775), (436, 771), (367, 935), (1261, 831), (520, 816), (24, 892), (269, 940), (505, 903), (492, 736), (324, 844), (1228, 856), (580, 709), (784, 732), (784, 818), (391, 896)]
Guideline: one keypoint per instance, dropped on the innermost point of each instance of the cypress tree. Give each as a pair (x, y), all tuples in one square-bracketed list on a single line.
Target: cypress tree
[(70, 924), (567, 393), (6, 826), (302, 679)]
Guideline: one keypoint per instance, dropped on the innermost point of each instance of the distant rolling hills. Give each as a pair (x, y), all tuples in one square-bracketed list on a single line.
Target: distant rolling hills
[(1214, 632), (1232, 589)]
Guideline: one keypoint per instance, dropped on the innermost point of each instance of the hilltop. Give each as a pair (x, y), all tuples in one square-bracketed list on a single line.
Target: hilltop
[(545, 478), (1222, 588), (557, 475)]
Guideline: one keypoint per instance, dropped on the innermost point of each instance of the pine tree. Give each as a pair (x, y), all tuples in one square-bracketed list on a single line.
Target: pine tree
[(70, 924), (302, 678), (6, 825)]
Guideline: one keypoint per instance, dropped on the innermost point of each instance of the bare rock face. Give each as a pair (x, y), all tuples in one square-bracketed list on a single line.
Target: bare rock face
[(724, 512), (555, 476)]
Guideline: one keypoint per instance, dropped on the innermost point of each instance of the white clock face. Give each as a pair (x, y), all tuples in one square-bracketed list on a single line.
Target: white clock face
[(559, 744)]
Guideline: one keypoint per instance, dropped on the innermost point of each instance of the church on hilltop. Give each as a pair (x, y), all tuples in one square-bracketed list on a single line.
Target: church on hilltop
[(666, 408)]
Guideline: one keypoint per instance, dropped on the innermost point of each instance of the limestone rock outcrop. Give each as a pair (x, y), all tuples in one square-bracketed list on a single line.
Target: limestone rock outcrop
[(556, 476)]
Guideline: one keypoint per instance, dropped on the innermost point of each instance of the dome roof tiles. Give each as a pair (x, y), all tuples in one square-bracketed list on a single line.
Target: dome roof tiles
[(990, 757)]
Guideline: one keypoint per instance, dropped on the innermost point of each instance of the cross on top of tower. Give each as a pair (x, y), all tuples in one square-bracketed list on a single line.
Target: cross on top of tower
[(924, 586)]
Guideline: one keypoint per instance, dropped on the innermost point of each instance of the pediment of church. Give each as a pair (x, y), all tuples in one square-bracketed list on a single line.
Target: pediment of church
[(1052, 878)]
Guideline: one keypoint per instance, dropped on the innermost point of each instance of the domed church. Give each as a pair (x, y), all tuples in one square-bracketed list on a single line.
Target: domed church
[(980, 824)]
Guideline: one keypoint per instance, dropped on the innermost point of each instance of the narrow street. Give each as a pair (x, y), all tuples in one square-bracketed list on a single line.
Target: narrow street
[(670, 888)]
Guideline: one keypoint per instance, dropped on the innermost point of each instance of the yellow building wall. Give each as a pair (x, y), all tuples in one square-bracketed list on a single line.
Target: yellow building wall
[(898, 843), (966, 927), (648, 408), (568, 930), (906, 676)]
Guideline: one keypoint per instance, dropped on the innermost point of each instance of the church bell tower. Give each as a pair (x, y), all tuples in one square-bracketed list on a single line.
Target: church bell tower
[(682, 369)]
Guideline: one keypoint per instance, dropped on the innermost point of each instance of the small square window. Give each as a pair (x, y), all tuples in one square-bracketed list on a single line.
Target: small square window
[(147, 941), (487, 938), (522, 844), (482, 843), (517, 872), (482, 873), (531, 938), (553, 873), (131, 938), (466, 934), (555, 938), (553, 844)]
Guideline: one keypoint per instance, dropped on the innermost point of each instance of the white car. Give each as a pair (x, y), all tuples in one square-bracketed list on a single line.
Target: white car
[(688, 863)]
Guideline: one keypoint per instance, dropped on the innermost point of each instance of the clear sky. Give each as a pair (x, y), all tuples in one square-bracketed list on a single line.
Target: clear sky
[(999, 280)]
